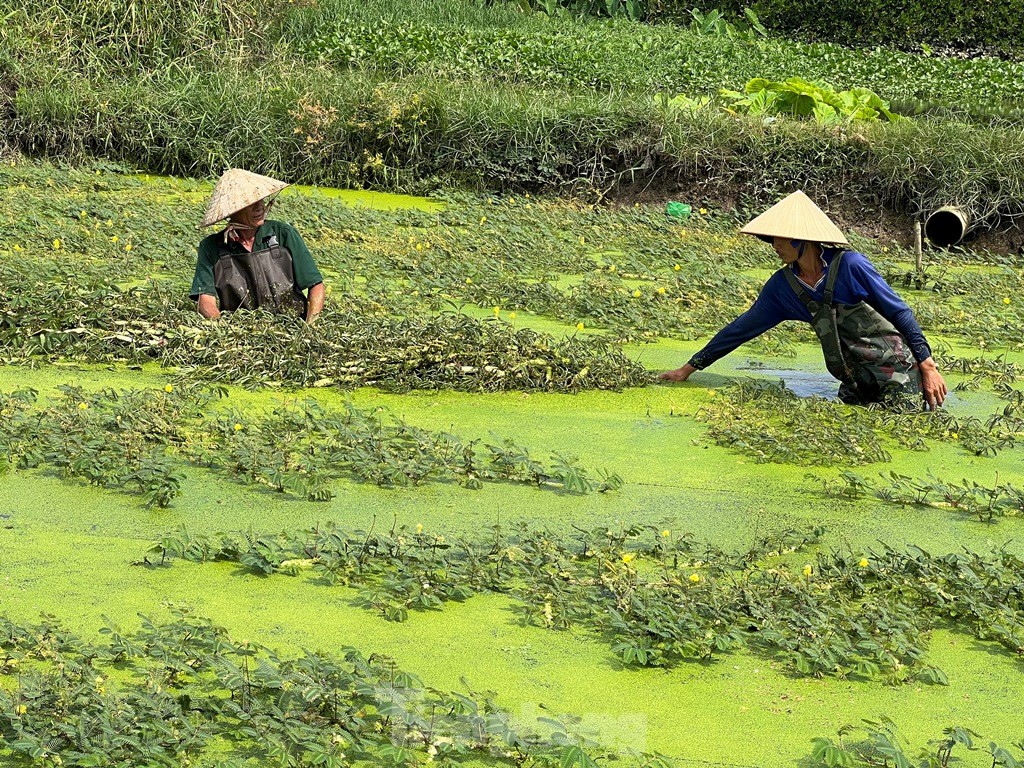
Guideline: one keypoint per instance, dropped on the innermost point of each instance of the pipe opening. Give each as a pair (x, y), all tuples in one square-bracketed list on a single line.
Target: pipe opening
[(946, 226)]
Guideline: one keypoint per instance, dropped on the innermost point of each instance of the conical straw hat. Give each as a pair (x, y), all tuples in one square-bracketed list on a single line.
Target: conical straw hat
[(236, 190), (798, 218)]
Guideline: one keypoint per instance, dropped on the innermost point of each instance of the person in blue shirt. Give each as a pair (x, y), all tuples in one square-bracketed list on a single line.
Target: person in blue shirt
[(870, 338)]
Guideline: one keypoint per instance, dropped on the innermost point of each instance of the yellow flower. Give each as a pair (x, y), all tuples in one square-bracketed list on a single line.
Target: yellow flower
[(677, 267), (419, 246), (419, 527), (83, 406), (21, 709), (238, 427), (128, 247), (582, 240), (1006, 300), (611, 267), (483, 219), (666, 533), (511, 315), (17, 247), (109, 223), (808, 570), (661, 291), (694, 578), (863, 562), (955, 435), (636, 294), (628, 558), (114, 239), (579, 326), (885, 249), (497, 311), (56, 245), (702, 211), (168, 389), (469, 281), (81, 214)]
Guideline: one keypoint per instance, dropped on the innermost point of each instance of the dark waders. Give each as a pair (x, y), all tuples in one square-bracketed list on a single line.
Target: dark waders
[(264, 278), (862, 349)]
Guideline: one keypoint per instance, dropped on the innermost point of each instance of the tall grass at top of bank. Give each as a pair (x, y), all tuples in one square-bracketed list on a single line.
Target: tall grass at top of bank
[(84, 35), (471, 40)]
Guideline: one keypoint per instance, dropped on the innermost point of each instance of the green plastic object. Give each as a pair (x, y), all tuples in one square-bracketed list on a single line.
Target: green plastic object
[(680, 211)]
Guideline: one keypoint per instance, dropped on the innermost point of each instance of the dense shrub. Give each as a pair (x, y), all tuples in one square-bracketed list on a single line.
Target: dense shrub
[(943, 24)]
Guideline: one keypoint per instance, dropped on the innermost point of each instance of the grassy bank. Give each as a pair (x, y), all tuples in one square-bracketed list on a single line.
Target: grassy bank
[(475, 96)]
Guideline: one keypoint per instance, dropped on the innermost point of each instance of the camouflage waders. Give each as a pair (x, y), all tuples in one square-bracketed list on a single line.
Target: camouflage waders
[(264, 278), (862, 349)]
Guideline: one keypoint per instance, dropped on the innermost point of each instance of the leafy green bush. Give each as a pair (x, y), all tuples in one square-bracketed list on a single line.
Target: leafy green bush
[(800, 98)]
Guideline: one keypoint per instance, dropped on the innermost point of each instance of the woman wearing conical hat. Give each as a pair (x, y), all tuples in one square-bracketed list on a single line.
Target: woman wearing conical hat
[(253, 262), (870, 338)]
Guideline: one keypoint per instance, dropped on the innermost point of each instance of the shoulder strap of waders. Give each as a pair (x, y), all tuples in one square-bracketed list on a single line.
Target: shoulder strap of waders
[(833, 275)]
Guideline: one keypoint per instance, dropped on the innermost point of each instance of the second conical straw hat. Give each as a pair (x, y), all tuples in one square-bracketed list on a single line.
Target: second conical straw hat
[(798, 218), (236, 190)]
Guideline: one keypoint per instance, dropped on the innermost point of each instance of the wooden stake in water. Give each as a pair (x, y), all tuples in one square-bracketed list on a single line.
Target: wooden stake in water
[(918, 248)]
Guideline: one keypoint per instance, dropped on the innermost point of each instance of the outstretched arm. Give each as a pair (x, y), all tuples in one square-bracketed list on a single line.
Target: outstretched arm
[(763, 315)]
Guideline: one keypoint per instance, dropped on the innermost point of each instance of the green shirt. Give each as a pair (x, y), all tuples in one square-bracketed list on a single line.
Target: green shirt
[(306, 273)]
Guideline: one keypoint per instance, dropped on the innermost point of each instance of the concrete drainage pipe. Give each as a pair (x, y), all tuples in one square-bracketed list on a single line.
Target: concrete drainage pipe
[(946, 226)]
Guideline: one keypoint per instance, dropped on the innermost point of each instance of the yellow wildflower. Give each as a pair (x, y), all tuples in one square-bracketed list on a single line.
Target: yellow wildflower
[(21, 709), (497, 311), (419, 527), (863, 562), (694, 578), (168, 389), (636, 294), (579, 326), (628, 558), (661, 291), (1006, 300), (511, 201), (469, 281), (955, 435), (127, 247), (83, 406), (56, 245), (666, 533), (582, 240), (114, 239), (611, 267), (483, 219), (808, 570), (238, 427), (677, 268), (511, 315), (702, 211)]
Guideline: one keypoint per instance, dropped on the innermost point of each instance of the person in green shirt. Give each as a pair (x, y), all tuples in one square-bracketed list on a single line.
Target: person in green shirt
[(253, 263)]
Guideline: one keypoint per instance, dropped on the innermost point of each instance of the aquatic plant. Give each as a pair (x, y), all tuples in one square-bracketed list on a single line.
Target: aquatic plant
[(184, 692), (658, 598), (138, 440)]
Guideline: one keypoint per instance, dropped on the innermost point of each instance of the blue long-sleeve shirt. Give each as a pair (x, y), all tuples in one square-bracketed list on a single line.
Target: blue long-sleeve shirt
[(857, 281)]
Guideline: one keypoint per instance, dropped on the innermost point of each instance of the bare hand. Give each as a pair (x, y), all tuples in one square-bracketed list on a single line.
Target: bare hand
[(932, 385), (679, 374)]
